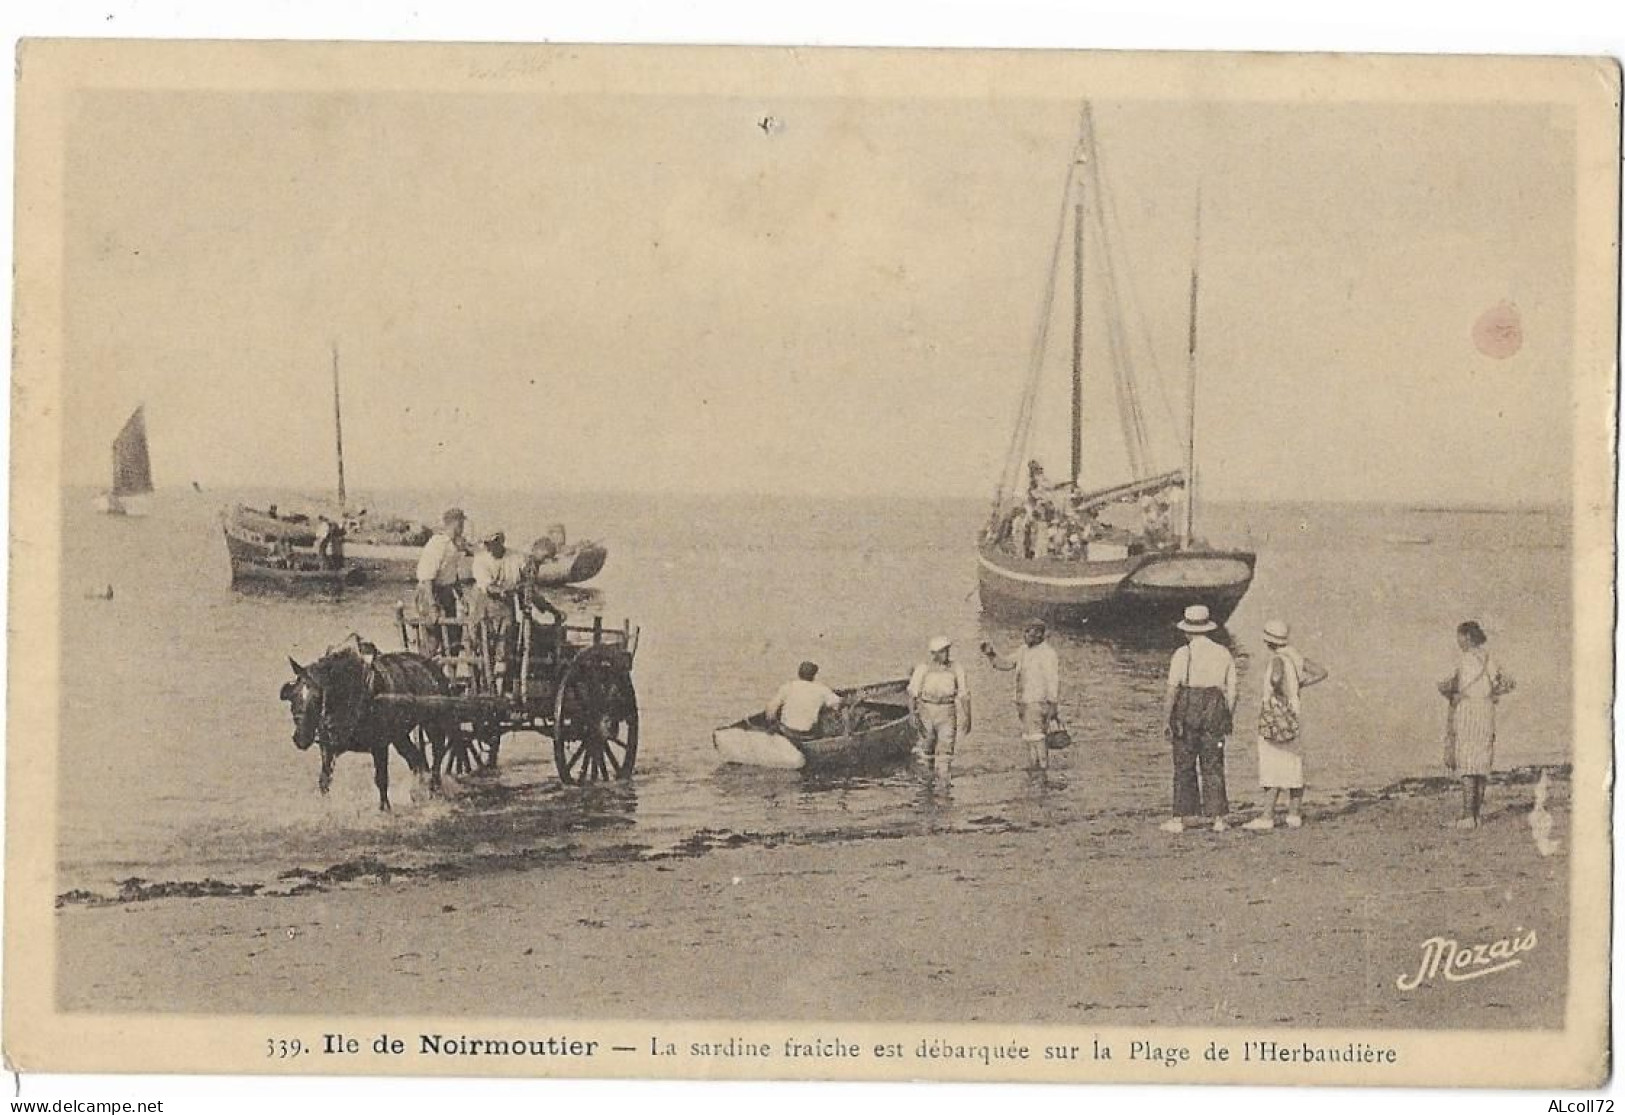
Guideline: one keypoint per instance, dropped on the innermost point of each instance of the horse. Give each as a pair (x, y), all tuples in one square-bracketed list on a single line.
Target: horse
[(333, 706)]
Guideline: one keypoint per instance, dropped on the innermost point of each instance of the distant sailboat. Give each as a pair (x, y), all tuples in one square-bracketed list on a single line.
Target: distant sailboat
[(132, 467)]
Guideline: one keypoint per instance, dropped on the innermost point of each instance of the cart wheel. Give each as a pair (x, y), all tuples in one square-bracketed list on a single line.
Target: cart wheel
[(595, 720), (474, 749)]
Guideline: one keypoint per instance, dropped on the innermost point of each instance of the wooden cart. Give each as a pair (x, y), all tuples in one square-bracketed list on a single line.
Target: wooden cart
[(571, 683)]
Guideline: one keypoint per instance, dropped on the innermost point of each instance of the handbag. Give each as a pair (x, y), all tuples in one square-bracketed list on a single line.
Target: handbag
[(1056, 737), (1277, 723)]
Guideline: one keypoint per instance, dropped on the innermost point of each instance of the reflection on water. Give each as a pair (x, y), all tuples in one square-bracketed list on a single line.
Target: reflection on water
[(177, 764)]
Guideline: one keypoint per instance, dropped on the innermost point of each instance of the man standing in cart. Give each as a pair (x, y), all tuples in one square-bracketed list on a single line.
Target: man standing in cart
[(535, 602), (498, 578), (438, 568)]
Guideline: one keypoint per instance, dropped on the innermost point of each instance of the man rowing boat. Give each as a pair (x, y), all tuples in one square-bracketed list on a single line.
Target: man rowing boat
[(798, 705)]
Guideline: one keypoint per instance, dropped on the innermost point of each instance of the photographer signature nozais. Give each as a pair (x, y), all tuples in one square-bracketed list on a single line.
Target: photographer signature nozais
[(1457, 963)]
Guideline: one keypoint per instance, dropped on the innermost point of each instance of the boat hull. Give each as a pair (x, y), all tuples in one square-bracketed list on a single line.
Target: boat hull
[(253, 573), (756, 747), (250, 549), (1144, 592), (891, 738)]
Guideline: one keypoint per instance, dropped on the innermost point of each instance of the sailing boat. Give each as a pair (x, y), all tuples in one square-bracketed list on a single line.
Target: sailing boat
[(132, 468), (385, 548), (340, 540), (1107, 557), (291, 549)]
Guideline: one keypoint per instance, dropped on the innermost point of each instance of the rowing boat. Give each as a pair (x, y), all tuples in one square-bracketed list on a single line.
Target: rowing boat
[(877, 727)]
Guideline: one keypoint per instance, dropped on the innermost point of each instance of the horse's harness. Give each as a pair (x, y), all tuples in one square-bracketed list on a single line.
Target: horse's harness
[(327, 723)]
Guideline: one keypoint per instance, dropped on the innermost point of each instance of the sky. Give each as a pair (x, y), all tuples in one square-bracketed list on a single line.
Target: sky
[(546, 291)]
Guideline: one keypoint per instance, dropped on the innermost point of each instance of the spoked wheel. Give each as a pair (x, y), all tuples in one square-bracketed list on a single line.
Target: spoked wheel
[(476, 749), (595, 720)]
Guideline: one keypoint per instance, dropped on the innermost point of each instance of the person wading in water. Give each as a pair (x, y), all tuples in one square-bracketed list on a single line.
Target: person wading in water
[(939, 698)]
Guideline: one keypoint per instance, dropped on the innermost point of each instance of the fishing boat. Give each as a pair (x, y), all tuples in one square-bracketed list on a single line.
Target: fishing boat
[(386, 548), (1108, 555), (293, 550), (877, 728), (132, 467)]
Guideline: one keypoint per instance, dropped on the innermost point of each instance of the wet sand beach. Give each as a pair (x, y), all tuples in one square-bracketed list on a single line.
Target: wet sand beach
[(1099, 921)]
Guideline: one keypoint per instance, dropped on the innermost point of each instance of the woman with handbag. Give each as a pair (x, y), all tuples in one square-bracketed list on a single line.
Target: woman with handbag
[(1469, 745), (1280, 726)]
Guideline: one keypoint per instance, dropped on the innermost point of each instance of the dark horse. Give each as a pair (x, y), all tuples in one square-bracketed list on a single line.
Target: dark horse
[(334, 705)]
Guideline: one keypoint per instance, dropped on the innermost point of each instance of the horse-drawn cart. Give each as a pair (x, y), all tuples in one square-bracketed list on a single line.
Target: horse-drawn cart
[(569, 682)]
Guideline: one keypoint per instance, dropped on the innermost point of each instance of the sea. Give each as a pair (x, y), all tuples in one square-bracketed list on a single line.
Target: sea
[(176, 765)]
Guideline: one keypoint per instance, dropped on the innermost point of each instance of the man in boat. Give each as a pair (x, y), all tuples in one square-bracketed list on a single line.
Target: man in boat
[(499, 577), (1038, 688), (939, 698), (438, 569), (329, 543), (1013, 537), (797, 707), (1155, 517), (1036, 483)]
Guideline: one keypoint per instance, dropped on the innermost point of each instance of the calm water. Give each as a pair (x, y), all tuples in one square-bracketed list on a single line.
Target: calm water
[(177, 761)]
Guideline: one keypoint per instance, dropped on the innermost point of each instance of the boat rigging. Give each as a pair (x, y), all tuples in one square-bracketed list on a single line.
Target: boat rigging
[(1107, 556)]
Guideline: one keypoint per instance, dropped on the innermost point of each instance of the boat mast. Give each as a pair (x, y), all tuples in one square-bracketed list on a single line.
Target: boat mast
[(1077, 324), (338, 426), (1009, 479), (1189, 532)]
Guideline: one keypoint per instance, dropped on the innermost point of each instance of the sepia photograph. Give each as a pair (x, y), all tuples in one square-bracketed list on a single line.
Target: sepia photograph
[(801, 563)]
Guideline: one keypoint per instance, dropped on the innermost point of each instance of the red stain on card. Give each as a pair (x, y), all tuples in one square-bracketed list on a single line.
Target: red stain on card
[(1498, 332)]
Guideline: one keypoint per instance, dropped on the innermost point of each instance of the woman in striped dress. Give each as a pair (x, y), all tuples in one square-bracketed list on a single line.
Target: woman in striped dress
[(1472, 690)]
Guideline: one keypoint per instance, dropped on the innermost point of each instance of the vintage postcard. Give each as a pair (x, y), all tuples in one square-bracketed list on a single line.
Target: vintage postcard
[(813, 564)]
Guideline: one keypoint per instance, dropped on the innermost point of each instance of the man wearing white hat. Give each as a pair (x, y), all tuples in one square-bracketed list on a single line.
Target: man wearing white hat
[(1197, 717), (939, 697)]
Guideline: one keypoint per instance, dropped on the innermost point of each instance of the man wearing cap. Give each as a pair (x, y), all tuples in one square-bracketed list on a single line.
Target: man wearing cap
[(1197, 717), (498, 577), (939, 698), (438, 567), (798, 704), (1038, 688)]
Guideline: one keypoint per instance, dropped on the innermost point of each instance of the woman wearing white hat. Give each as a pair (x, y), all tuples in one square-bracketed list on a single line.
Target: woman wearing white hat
[(940, 700), (1280, 726), (1197, 716)]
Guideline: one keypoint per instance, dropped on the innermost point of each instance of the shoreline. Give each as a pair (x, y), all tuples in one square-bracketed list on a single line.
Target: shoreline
[(1102, 920), (370, 868)]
